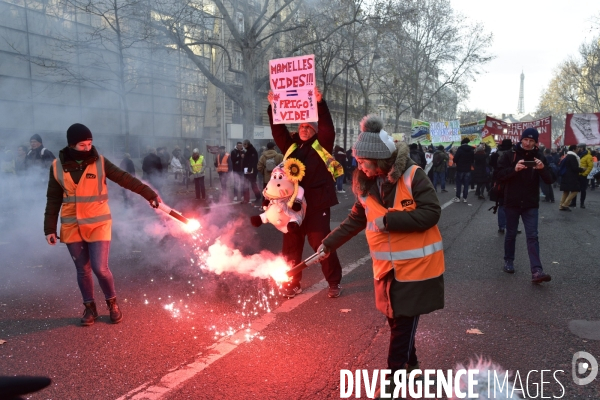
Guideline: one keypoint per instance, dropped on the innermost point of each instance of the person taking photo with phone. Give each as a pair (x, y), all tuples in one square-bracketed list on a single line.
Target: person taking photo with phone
[(520, 170)]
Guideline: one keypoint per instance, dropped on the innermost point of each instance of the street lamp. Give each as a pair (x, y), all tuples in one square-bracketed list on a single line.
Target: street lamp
[(346, 112)]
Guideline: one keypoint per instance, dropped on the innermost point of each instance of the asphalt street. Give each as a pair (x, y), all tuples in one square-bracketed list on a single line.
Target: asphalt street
[(189, 333)]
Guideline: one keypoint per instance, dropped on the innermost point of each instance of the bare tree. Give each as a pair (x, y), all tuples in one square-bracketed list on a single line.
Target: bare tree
[(102, 53), (248, 33), (434, 49)]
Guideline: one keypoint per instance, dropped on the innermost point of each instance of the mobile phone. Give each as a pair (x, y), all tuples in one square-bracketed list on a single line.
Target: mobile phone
[(529, 163)]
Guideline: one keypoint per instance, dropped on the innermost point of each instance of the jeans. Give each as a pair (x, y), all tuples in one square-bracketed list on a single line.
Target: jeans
[(463, 178), (238, 183), (250, 182), (402, 342), (224, 177), (530, 222), (441, 178), (200, 189), (339, 183), (88, 257)]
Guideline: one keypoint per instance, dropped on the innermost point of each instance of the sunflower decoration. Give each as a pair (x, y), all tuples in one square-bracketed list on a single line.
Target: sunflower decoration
[(294, 170)]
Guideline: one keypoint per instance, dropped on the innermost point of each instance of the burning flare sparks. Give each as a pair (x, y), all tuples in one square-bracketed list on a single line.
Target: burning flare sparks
[(222, 258), (192, 225)]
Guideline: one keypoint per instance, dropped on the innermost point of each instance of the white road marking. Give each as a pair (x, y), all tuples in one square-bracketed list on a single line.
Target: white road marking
[(226, 345)]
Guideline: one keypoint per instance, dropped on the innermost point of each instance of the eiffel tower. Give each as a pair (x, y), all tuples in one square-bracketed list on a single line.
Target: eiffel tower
[(521, 107)]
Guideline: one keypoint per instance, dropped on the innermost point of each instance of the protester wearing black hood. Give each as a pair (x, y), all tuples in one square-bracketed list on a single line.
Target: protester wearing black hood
[(319, 191), (38, 155), (250, 170), (464, 159), (418, 155), (520, 171)]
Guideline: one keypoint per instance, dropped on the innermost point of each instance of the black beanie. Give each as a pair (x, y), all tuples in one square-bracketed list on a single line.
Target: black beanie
[(530, 133), (78, 133), (36, 137), (465, 141)]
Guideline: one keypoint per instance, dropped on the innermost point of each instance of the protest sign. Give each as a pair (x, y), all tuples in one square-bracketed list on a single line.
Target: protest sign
[(582, 128), (500, 130), (445, 131), (293, 86), (419, 130)]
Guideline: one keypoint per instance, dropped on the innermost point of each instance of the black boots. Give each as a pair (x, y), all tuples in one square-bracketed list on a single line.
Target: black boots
[(115, 314), (89, 314)]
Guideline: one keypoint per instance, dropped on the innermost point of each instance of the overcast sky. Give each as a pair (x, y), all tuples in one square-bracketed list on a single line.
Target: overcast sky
[(529, 35)]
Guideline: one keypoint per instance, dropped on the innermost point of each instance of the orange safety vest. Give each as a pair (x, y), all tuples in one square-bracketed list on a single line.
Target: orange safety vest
[(222, 164), (415, 256), (451, 159), (85, 215)]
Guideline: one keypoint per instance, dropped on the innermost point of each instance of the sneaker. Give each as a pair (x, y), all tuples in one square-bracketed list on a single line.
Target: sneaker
[(564, 209), (291, 291), (444, 191), (582, 206), (334, 291), (456, 200), (464, 200), (540, 276), (519, 231), (501, 230), (235, 198), (508, 267)]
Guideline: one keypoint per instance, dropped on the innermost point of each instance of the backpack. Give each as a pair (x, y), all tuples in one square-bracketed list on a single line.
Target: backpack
[(562, 167), (437, 160), (270, 164)]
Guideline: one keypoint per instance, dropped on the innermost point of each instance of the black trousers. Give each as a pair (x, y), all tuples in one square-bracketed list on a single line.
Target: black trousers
[(199, 186), (402, 342), (315, 227)]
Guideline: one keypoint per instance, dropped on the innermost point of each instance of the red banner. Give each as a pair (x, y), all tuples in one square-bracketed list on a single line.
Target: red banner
[(582, 128), (503, 130)]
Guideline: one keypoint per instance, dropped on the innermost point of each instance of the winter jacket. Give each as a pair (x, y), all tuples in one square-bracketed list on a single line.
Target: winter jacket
[(569, 182), (318, 183), (127, 166), (236, 160), (250, 161), (464, 158), (262, 163), (522, 188), (41, 157), (586, 163), (395, 298), (55, 191), (340, 156), (480, 168), (152, 166), (442, 158)]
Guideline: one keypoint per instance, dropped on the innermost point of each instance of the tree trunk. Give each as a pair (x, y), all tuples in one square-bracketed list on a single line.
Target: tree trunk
[(248, 99)]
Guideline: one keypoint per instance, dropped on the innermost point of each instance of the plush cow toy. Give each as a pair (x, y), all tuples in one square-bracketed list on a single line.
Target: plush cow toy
[(284, 202)]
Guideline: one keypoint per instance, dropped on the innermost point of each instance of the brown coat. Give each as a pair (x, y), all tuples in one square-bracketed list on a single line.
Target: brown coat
[(395, 298)]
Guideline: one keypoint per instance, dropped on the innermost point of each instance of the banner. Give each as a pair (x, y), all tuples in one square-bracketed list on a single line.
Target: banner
[(500, 130), (212, 149), (558, 141), (419, 131), (293, 85), (582, 128), (443, 132)]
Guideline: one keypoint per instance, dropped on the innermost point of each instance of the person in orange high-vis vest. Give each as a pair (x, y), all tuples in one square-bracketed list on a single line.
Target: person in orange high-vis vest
[(224, 166), (77, 189), (398, 207)]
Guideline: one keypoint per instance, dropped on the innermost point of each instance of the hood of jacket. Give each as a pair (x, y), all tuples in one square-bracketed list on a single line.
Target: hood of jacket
[(361, 183)]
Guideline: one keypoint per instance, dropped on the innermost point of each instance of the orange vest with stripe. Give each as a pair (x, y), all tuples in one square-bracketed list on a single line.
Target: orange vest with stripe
[(85, 215), (414, 256), (222, 164)]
